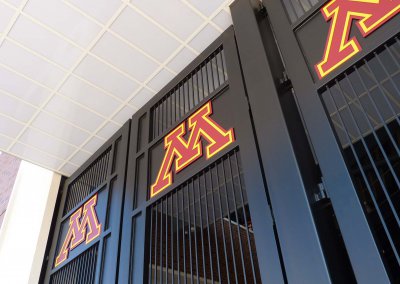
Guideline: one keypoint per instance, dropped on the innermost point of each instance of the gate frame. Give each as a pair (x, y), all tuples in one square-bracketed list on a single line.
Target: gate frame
[(120, 170), (361, 247), (269, 258)]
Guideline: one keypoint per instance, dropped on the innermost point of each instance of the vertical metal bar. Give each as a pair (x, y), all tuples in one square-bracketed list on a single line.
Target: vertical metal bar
[(245, 217), (367, 150), (229, 218), (366, 180), (215, 225), (191, 183), (237, 218), (183, 232), (196, 83), (182, 97), (208, 225), (222, 225), (166, 239), (201, 227), (161, 240), (189, 233), (178, 256), (151, 244), (224, 64), (156, 243), (172, 237)]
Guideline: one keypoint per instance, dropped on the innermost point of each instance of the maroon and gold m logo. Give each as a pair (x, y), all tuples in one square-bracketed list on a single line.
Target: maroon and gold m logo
[(83, 226), (182, 153), (369, 15)]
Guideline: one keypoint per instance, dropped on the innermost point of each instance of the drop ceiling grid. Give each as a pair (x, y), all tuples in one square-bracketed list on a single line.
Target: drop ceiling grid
[(103, 124)]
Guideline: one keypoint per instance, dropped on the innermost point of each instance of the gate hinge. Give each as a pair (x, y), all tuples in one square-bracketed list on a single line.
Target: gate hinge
[(262, 10), (284, 82), (321, 194)]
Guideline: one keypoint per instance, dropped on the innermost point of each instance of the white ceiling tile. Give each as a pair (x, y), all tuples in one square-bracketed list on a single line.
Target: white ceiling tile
[(165, 12), (74, 113), (124, 114), (60, 129), (46, 143), (108, 130), (207, 7), (44, 42), (30, 65), (35, 156), (9, 127), (6, 13), (68, 169), (101, 10), (107, 78), (22, 88), (63, 19), (223, 20), (15, 108), (89, 96), (204, 38), (124, 57), (93, 144), (160, 80), (144, 34), (80, 157), (181, 60), (4, 142), (141, 98), (15, 3)]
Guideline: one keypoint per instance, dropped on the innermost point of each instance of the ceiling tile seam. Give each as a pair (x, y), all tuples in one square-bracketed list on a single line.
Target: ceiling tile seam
[(62, 68), (44, 152), (13, 19), (83, 49), (54, 115), (126, 41), (58, 139), (11, 69), (38, 163), (164, 29), (12, 118), (80, 59), (42, 131), (77, 103), (204, 17)]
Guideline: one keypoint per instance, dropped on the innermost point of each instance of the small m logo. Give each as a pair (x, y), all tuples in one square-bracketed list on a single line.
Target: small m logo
[(369, 16), (83, 226), (183, 153)]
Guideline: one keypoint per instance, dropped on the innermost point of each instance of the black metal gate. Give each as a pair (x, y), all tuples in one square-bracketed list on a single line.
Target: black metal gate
[(91, 196), (212, 222), (351, 115), (256, 164)]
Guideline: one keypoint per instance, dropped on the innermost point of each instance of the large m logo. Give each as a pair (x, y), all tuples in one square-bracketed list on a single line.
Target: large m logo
[(369, 14), (183, 153), (83, 226)]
